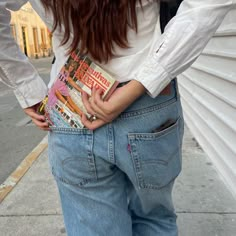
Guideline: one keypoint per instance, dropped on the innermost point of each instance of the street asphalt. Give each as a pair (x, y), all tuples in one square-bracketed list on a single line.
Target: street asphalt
[(18, 134), (204, 205)]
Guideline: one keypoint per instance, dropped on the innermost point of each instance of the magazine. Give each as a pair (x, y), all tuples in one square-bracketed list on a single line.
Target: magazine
[(63, 104)]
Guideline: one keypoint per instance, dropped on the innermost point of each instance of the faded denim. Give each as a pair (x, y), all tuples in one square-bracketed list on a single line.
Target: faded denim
[(118, 179)]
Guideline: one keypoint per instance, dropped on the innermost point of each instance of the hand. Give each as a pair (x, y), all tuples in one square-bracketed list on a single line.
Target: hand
[(39, 120), (107, 111)]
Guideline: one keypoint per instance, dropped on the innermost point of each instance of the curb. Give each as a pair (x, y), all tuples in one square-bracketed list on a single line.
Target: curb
[(21, 170)]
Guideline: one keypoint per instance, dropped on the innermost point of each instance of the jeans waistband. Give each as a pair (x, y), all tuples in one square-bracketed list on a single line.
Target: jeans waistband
[(146, 103)]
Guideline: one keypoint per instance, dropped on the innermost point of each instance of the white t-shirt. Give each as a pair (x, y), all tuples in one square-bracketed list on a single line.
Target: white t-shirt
[(152, 59)]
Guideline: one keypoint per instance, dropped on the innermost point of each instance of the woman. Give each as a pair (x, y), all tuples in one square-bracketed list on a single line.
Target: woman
[(116, 176)]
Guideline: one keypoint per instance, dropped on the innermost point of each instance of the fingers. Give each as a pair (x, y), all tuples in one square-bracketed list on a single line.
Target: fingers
[(105, 111), (33, 114), (92, 125), (91, 106), (97, 98), (41, 125), (86, 102), (38, 120), (98, 105)]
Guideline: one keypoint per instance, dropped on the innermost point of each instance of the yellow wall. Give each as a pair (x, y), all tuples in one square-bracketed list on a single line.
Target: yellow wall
[(28, 19)]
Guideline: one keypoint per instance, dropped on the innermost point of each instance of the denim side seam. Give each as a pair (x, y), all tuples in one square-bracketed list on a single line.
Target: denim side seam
[(91, 159), (110, 134)]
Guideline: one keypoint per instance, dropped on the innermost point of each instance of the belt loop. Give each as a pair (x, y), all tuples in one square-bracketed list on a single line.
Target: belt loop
[(176, 87), (121, 84)]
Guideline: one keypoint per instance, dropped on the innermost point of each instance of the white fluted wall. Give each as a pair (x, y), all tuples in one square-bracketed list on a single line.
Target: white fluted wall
[(208, 91)]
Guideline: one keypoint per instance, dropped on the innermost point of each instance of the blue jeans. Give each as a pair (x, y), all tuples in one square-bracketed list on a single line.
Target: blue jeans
[(118, 179)]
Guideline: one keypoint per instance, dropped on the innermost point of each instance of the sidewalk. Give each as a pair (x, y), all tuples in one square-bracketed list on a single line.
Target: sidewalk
[(204, 205)]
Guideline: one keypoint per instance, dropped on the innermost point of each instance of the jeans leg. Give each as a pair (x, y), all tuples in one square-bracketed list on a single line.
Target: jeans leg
[(98, 210), (152, 212), (92, 190), (151, 158)]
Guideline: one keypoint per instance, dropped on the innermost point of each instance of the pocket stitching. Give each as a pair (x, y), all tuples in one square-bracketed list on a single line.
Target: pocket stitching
[(92, 168), (82, 181), (136, 159), (74, 131), (80, 184), (153, 136)]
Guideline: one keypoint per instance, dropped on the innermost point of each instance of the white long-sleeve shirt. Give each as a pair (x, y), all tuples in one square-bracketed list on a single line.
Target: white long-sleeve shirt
[(152, 59)]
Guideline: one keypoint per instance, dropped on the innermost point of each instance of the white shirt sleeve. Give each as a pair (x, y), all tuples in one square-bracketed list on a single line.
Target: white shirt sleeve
[(15, 69), (184, 38)]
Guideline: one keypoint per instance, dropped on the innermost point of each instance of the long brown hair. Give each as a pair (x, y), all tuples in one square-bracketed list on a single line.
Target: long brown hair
[(96, 24)]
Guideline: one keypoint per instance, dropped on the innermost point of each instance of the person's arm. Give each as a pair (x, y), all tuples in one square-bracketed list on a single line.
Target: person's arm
[(184, 38), (15, 69)]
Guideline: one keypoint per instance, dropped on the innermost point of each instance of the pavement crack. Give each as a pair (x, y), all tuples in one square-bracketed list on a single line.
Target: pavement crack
[(31, 215), (206, 212)]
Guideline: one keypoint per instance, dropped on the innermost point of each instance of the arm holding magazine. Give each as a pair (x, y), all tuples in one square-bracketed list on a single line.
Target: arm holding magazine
[(184, 38), (15, 69), (182, 42)]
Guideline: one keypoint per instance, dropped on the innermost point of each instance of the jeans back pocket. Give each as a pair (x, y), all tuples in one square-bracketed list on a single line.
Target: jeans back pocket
[(70, 156), (157, 156)]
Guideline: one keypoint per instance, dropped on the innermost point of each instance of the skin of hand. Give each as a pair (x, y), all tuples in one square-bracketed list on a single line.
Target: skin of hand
[(107, 111), (39, 120)]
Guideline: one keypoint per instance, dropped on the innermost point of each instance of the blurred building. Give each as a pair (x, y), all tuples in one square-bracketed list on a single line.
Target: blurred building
[(208, 91), (30, 33)]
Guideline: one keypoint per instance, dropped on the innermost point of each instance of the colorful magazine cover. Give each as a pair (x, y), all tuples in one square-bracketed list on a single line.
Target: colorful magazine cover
[(63, 105)]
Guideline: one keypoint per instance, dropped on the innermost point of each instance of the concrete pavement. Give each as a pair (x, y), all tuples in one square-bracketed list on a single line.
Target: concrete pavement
[(204, 205), (13, 120)]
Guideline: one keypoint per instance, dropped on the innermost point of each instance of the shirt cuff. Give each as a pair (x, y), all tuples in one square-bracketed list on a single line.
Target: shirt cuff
[(31, 93), (153, 77)]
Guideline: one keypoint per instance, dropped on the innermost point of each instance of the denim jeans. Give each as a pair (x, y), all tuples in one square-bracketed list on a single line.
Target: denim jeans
[(118, 179)]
